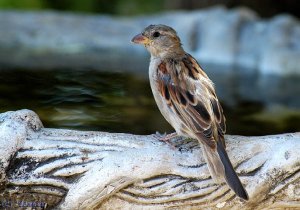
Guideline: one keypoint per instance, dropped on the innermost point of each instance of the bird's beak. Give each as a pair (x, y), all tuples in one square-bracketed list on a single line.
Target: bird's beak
[(140, 39)]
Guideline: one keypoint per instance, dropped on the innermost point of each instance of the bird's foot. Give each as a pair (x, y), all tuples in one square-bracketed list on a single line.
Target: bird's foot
[(166, 138)]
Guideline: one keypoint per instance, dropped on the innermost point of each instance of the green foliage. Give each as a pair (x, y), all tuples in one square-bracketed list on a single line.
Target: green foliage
[(131, 7), (23, 4), (117, 7)]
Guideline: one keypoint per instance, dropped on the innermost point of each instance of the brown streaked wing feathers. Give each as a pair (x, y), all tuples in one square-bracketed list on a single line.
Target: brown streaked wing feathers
[(194, 69), (220, 119), (189, 109)]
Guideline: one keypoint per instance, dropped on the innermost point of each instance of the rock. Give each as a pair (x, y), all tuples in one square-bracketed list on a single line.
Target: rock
[(219, 32), (280, 55), (47, 40)]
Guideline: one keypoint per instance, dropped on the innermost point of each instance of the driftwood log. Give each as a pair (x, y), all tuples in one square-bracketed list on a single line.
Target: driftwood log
[(68, 169)]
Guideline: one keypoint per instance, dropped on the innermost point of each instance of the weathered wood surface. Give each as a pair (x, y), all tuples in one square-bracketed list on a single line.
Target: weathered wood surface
[(68, 169)]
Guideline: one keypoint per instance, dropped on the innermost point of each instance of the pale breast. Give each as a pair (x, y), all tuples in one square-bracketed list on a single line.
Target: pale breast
[(165, 110)]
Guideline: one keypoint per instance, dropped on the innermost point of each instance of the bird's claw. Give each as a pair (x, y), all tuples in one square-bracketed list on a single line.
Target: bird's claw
[(166, 138)]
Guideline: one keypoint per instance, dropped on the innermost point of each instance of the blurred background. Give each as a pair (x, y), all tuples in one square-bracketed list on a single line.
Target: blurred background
[(265, 8), (63, 59)]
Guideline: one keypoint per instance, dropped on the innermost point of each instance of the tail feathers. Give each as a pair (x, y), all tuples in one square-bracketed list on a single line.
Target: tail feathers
[(230, 176), (221, 168)]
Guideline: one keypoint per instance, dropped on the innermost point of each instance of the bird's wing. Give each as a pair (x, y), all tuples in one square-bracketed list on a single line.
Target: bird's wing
[(190, 94)]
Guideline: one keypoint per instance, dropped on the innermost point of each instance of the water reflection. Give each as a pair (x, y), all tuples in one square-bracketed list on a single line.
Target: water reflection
[(93, 100)]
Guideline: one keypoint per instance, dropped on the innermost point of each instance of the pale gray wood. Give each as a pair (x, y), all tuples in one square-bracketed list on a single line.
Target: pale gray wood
[(70, 169)]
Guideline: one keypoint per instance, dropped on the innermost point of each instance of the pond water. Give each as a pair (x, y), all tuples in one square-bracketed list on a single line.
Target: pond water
[(119, 102)]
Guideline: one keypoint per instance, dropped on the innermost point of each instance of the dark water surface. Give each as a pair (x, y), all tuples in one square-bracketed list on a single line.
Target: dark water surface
[(118, 102)]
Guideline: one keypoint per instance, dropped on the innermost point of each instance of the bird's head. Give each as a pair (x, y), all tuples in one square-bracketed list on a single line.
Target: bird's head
[(160, 40)]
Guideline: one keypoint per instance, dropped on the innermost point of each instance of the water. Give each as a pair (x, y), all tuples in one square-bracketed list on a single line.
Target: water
[(118, 102)]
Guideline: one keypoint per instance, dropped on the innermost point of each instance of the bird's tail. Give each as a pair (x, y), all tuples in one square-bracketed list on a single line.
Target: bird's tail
[(221, 168)]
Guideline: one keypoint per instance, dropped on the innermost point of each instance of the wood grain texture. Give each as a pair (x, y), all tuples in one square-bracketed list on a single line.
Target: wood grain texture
[(70, 169)]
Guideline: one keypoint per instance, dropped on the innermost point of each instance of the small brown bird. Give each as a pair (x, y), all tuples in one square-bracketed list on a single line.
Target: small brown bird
[(186, 98)]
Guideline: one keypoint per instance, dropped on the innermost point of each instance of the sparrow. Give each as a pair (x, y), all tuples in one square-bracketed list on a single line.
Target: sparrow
[(187, 99)]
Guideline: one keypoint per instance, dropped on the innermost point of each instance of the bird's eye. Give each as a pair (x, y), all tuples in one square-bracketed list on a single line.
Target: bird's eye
[(156, 34)]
